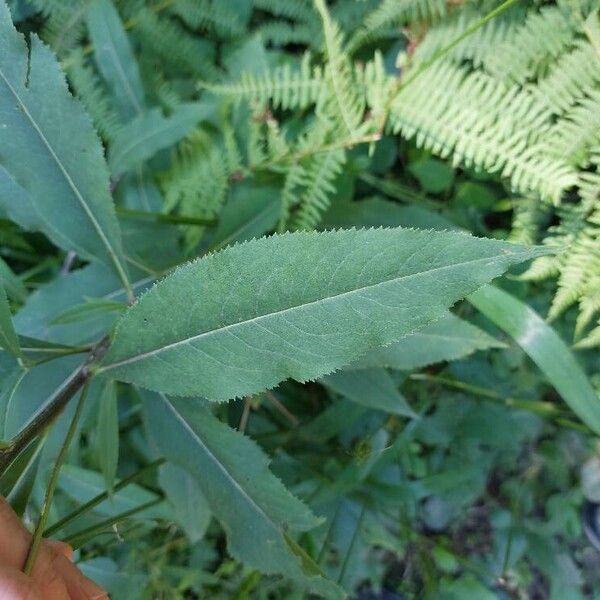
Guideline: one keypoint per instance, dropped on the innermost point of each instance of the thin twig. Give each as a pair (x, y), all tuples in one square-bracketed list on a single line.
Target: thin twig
[(293, 419)]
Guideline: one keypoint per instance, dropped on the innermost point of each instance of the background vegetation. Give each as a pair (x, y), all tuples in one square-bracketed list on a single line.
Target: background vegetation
[(446, 467)]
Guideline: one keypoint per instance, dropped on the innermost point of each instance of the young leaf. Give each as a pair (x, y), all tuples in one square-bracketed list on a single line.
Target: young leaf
[(53, 177), (143, 137), (295, 306), (114, 57), (232, 472), (449, 338), (373, 388), (544, 347), (8, 336), (107, 434)]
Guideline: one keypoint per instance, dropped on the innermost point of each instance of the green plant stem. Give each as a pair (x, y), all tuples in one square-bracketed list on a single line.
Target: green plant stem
[(99, 527), (53, 408), (541, 408), (102, 497), (41, 524)]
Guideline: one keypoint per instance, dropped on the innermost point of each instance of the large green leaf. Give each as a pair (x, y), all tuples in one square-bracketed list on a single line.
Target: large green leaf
[(544, 347), (295, 306), (114, 57), (449, 338), (53, 176), (254, 507)]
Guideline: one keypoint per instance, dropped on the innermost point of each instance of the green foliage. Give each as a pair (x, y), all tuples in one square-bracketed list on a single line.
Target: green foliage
[(320, 311), (41, 176), (322, 165)]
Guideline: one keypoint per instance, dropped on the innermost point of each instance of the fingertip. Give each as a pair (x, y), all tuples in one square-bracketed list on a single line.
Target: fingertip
[(61, 547)]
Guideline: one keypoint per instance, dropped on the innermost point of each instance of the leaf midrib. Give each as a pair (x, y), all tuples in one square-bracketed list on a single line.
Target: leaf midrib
[(138, 357), (70, 182), (216, 461)]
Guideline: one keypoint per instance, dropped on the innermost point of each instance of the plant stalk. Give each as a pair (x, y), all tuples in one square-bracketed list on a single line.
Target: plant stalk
[(52, 410), (43, 518), (102, 497)]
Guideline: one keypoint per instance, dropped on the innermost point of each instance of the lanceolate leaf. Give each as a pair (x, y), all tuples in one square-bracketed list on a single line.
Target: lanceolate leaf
[(107, 434), (252, 504), (295, 306), (8, 336), (115, 58), (449, 338), (544, 347), (374, 388), (51, 156), (143, 137)]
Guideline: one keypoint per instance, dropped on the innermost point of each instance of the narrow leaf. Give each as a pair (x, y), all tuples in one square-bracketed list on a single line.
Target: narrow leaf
[(53, 177), (232, 472), (295, 306), (544, 346), (8, 336), (374, 388), (107, 434), (14, 287), (114, 57), (449, 338), (143, 137), (88, 310)]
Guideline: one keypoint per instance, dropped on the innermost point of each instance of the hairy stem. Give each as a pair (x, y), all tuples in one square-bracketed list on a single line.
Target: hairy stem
[(43, 518)]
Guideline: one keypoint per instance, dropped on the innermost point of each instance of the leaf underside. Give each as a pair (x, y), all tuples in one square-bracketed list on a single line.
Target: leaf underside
[(295, 306)]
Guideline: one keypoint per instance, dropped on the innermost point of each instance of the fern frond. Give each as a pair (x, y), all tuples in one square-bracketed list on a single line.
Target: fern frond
[(282, 33), (578, 131), (533, 46), (321, 172), (342, 97), (295, 178), (390, 14), (295, 10), (283, 87), (64, 25), (580, 254), (528, 215), (197, 181), (177, 49), (575, 75), (376, 86), (492, 126), (210, 15), (90, 89)]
